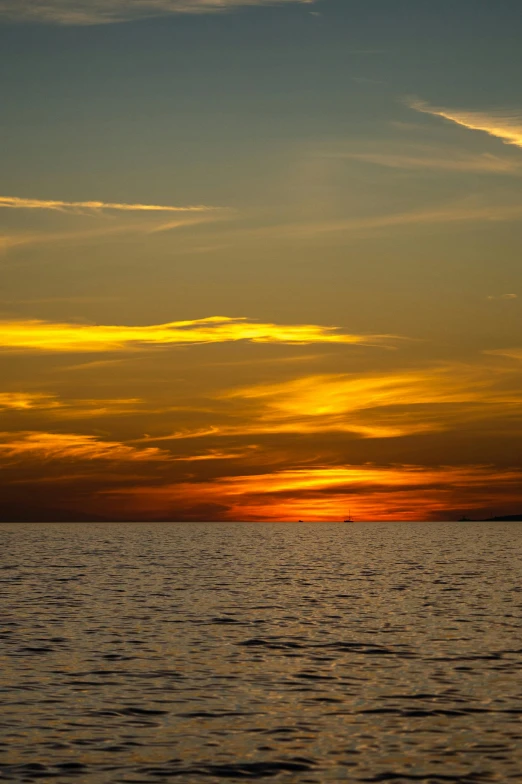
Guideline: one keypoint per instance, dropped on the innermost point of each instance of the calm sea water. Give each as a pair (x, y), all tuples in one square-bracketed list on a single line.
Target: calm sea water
[(291, 653)]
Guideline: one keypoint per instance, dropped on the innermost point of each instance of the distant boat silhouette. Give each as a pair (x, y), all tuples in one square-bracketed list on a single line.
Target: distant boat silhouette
[(349, 519)]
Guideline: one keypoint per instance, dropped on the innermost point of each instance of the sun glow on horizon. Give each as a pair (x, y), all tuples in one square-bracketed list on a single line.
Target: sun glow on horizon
[(370, 492)]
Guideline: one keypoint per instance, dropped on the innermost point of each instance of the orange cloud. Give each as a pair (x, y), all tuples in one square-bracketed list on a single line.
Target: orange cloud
[(372, 406), (24, 401), (218, 454), (70, 446), (99, 407), (339, 394), (70, 408), (49, 336)]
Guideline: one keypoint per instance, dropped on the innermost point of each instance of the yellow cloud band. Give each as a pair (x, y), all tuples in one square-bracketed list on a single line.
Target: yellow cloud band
[(14, 202), (49, 336)]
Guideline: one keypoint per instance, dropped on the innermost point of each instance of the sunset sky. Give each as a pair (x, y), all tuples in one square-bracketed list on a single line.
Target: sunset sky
[(260, 259)]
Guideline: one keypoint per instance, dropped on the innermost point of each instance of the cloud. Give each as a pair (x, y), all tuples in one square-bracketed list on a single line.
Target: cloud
[(92, 12), (143, 227), (99, 407), (503, 296), (73, 408), (69, 446), (386, 405), (189, 215), (436, 160), (509, 353), (499, 124), (218, 454), (456, 213), (20, 335), (14, 202), (371, 492), (462, 211), (336, 403), (25, 401), (467, 211)]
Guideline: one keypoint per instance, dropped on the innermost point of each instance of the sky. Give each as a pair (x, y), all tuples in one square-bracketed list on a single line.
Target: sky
[(260, 260)]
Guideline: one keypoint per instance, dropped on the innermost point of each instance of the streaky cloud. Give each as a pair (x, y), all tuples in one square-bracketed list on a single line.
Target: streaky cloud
[(98, 407), (15, 202), (66, 446), (386, 405), (499, 124), (508, 353), (146, 228), (27, 401), (459, 212), (36, 335), (436, 160), (95, 12)]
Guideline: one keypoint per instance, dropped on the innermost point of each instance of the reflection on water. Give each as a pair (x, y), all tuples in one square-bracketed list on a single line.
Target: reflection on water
[(292, 653)]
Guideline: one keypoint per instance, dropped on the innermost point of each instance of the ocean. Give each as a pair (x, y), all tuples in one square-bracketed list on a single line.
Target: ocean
[(280, 652)]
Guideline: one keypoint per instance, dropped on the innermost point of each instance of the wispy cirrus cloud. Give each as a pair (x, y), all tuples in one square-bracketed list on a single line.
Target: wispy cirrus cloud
[(509, 353), (59, 408), (385, 405), (434, 159), (218, 454), (144, 219), (93, 12), (17, 203), (20, 335), (503, 125), (27, 401), (71, 446), (337, 403), (464, 211), (106, 232), (473, 209)]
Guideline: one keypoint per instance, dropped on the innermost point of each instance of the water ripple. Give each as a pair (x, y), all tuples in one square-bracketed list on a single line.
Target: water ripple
[(149, 653)]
